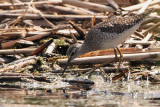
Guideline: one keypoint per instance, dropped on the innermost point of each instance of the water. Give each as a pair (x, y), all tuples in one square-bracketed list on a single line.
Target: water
[(102, 94)]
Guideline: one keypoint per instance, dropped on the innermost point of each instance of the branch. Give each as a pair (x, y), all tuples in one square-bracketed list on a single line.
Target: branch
[(103, 59), (89, 5), (78, 29), (139, 6), (53, 17), (35, 3), (19, 63), (17, 51)]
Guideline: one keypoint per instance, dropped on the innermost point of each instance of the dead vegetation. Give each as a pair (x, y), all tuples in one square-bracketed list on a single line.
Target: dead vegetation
[(35, 34)]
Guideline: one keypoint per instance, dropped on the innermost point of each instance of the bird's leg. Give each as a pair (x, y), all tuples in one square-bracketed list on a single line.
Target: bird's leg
[(120, 60), (93, 69), (103, 72), (115, 53)]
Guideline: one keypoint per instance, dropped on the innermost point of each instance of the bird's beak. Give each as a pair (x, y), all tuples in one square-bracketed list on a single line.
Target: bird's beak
[(69, 60)]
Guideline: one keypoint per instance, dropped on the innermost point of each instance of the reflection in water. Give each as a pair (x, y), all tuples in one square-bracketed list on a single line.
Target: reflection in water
[(125, 94)]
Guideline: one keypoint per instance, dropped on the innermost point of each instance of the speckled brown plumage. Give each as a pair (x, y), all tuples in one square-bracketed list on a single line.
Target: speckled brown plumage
[(117, 25), (108, 34), (120, 24), (110, 30)]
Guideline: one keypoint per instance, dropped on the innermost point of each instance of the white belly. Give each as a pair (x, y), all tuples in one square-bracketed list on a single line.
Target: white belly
[(120, 39)]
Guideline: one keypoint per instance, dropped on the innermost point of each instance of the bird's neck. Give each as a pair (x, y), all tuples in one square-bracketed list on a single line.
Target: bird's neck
[(83, 49)]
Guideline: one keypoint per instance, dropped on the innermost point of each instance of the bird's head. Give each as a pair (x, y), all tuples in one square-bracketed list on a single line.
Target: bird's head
[(73, 52)]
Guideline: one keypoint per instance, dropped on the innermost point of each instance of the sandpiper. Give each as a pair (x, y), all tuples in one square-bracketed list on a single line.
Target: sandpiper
[(107, 34)]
